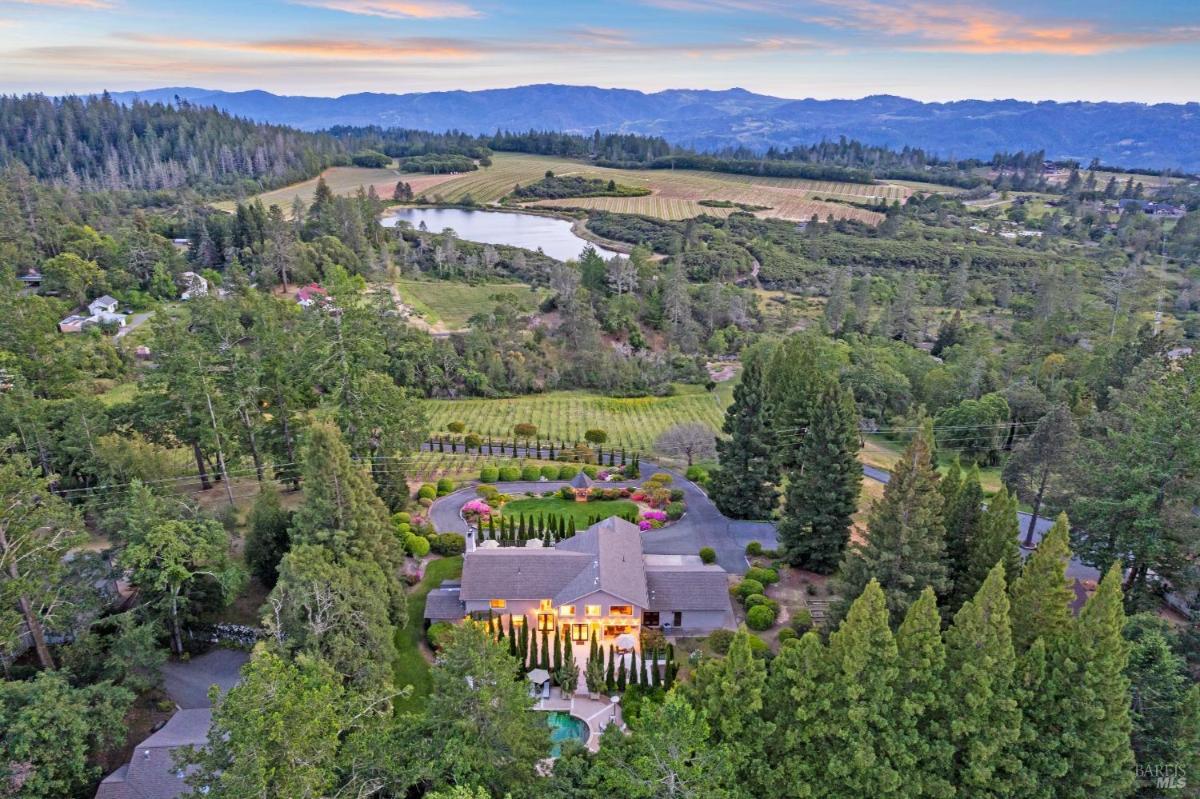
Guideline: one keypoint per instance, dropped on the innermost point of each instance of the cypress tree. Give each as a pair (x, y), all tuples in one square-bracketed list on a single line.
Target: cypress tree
[(871, 720), (633, 668), (1042, 595), (1102, 759), (512, 640), (655, 677), (556, 662), (822, 492), (544, 660), (610, 678), (962, 519), (593, 647), (922, 685), (533, 650), (571, 527), (491, 525), (994, 541), (744, 485), (905, 540), (500, 630), (621, 676), (521, 529), (643, 678), (981, 694)]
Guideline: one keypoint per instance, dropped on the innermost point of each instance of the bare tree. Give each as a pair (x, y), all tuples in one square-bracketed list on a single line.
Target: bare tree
[(691, 440)]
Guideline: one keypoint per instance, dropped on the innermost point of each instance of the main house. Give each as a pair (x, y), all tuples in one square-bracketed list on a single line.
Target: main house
[(599, 581)]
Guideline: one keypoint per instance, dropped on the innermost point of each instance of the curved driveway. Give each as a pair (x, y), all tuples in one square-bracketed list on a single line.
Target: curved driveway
[(701, 526)]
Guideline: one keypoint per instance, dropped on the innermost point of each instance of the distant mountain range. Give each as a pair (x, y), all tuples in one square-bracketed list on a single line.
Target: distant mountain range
[(1125, 134)]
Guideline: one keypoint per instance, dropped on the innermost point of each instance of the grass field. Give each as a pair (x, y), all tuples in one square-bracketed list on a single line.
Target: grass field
[(883, 453), (429, 467), (566, 415), (557, 506), (453, 304), (410, 667), (344, 180)]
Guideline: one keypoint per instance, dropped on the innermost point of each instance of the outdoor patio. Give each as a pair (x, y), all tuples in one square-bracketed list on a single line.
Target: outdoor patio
[(596, 713)]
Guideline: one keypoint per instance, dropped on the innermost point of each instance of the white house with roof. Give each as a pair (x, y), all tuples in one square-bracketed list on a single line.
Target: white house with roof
[(99, 311), (599, 581)]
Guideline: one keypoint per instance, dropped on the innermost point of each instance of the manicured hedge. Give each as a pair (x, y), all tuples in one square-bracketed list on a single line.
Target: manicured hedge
[(489, 474), (708, 555), (760, 618)]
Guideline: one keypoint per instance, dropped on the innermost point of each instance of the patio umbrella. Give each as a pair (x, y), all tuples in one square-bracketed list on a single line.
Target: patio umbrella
[(626, 641), (538, 676)]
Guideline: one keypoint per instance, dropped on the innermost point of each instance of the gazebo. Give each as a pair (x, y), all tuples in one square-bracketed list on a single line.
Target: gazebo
[(581, 484)]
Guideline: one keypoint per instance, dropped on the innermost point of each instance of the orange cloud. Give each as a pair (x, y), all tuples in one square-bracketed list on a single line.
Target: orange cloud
[(396, 9), (92, 4), (400, 49), (969, 28)]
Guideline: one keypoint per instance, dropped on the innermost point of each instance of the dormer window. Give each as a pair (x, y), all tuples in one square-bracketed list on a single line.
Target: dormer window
[(498, 604)]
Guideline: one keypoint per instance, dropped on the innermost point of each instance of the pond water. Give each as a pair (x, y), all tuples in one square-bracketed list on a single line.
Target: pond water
[(554, 236), (565, 727)]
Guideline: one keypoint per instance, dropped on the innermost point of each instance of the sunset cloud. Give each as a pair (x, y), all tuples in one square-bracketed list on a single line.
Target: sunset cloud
[(396, 9), (92, 4), (397, 49)]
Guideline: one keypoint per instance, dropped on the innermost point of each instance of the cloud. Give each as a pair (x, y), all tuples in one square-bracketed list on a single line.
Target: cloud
[(971, 28), (598, 35), (396, 49), (91, 4), (396, 9)]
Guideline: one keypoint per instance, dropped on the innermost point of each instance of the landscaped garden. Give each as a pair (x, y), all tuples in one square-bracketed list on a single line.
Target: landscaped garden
[(581, 512), (411, 667)]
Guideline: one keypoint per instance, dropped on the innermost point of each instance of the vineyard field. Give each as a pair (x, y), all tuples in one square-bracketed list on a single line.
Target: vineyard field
[(429, 467), (453, 304), (343, 180), (674, 193), (632, 423)]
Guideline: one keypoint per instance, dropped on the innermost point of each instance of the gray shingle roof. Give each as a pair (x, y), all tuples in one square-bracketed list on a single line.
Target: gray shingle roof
[(152, 773), (605, 557), (444, 604), (688, 589), (581, 480)]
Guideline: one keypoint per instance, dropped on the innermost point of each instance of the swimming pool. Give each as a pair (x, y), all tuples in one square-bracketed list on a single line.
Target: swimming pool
[(565, 727)]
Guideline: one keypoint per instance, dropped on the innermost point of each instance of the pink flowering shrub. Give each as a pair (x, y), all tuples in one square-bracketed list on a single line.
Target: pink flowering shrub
[(655, 515), (478, 507), (645, 524)]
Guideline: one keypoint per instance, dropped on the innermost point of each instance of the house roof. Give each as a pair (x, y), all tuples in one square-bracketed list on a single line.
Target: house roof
[(688, 588), (581, 480), (444, 604), (151, 772), (105, 300), (617, 567)]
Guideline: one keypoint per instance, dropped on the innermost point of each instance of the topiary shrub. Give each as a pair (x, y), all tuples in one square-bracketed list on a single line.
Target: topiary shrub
[(567, 471), (708, 555), (427, 491), (444, 486), (530, 473), (661, 477), (787, 634), (489, 474), (449, 544), (417, 546), (760, 618), (472, 441), (747, 587), (456, 427), (591, 471), (676, 494), (719, 641), (754, 549), (697, 474), (509, 474), (764, 576), (402, 517), (549, 472), (674, 510), (437, 633)]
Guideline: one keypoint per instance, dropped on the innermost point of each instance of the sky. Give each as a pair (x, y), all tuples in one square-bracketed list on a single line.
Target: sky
[(1026, 49)]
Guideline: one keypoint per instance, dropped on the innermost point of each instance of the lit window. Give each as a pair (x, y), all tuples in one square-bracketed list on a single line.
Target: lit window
[(591, 610), (566, 610), (545, 605), (499, 604), (546, 622), (620, 610), (518, 619)]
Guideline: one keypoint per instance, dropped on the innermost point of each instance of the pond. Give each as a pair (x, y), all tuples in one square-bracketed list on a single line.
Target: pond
[(553, 236), (565, 727)]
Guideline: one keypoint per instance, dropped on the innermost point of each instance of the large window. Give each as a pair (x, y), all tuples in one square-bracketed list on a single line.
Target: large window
[(499, 604), (591, 610), (546, 622), (650, 618), (545, 606), (581, 633), (620, 610), (566, 610)]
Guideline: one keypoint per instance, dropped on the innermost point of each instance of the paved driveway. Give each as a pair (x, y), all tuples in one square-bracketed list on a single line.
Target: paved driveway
[(187, 682)]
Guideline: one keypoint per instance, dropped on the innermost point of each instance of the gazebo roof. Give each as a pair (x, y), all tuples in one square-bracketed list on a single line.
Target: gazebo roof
[(538, 676), (581, 480)]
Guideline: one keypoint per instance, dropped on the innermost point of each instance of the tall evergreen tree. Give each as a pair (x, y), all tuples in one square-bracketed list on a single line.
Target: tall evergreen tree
[(982, 705), (922, 686), (962, 515), (905, 541), (800, 686), (1042, 595), (730, 692), (994, 541), (822, 494), (744, 486)]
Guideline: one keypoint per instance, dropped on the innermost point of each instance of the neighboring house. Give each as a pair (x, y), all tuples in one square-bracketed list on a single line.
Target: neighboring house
[(599, 581), (151, 772), (310, 295), (32, 279), (194, 285), (100, 310)]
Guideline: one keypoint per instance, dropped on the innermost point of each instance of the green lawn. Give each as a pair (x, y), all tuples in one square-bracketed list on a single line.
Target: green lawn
[(883, 453), (454, 303), (557, 506), (410, 667)]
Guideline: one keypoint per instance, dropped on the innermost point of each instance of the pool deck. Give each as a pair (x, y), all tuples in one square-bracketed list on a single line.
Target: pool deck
[(596, 713)]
